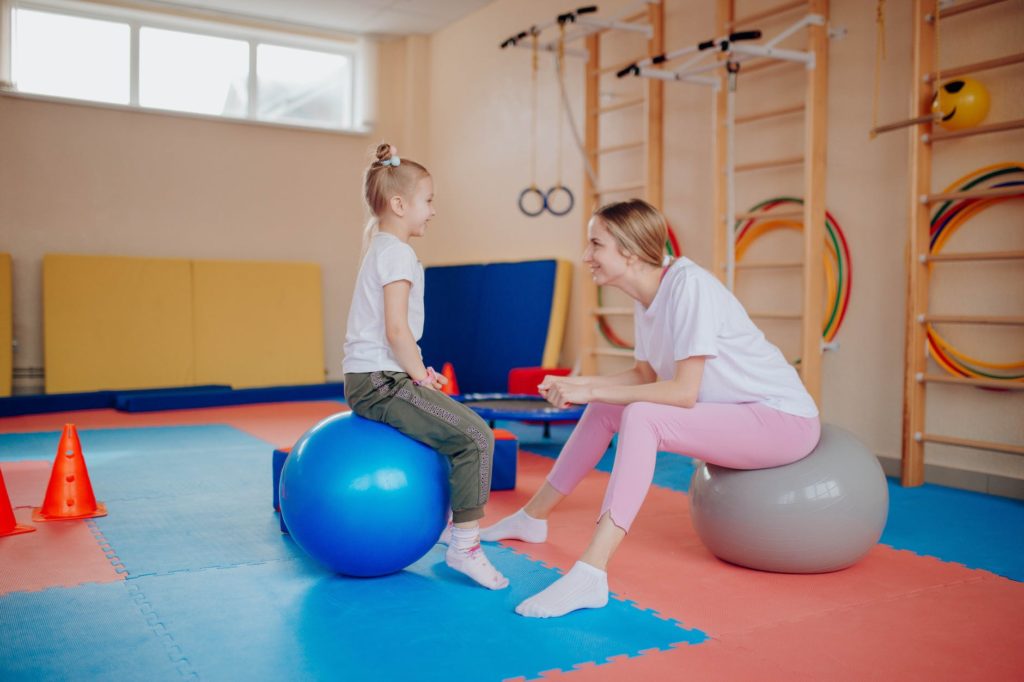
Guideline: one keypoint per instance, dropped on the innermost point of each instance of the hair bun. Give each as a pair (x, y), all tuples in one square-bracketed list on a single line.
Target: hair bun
[(383, 151)]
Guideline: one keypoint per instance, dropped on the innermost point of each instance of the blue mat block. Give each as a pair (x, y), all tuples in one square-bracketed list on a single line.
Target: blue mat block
[(91, 400), (91, 632), (244, 396), (503, 466)]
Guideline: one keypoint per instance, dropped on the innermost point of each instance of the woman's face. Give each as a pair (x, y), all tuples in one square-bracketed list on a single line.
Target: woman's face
[(603, 256)]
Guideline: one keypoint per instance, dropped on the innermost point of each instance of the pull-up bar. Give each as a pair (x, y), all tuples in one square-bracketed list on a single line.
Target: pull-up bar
[(733, 44)]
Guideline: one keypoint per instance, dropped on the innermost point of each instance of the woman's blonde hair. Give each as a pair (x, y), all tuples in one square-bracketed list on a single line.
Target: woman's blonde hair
[(638, 228), (387, 176)]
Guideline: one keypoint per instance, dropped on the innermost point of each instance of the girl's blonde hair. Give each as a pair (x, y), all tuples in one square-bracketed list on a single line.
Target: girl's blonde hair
[(638, 228), (387, 176)]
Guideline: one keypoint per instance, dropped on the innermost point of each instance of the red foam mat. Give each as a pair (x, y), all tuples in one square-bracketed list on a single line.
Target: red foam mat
[(927, 618), (59, 553), (280, 424)]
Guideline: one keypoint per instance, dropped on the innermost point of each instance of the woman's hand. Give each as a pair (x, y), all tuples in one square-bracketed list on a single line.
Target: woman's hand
[(565, 391)]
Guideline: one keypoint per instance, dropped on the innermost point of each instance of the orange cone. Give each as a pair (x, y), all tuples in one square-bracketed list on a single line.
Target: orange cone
[(8, 524), (69, 493), (452, 387)]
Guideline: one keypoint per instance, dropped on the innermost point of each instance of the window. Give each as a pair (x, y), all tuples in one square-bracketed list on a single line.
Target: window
[(69, 56), (190, 72), (103, 53)]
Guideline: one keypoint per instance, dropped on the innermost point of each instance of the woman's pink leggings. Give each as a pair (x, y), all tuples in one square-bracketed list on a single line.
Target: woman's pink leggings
[(743, 436)]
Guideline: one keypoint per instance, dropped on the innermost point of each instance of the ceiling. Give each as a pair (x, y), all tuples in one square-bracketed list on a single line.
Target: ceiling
[(364, 17)]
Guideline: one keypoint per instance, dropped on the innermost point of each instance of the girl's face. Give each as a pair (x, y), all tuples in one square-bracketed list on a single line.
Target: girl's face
[(606, 261), (421, 207)]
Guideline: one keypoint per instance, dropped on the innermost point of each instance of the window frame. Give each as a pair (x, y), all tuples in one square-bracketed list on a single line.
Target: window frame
[(253, 31)]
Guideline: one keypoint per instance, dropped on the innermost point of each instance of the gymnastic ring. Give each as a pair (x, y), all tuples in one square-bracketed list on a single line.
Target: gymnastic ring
[(532, 189), (568, 193)]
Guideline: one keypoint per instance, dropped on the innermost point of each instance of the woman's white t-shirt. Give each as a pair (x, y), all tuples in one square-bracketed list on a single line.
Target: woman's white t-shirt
[(694, 314), (388, 260)]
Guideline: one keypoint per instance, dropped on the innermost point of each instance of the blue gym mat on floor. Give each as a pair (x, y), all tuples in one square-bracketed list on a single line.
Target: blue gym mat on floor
[(191, 520)]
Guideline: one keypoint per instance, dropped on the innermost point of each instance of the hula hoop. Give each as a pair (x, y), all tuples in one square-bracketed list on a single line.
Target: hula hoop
[(613, 339), (568, 193), (532, 189), (838, 264), (948, 218)]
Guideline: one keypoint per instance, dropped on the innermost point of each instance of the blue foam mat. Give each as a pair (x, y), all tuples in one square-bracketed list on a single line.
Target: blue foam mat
[(216, 591), (179, 400), (289, 620), (973, 529)]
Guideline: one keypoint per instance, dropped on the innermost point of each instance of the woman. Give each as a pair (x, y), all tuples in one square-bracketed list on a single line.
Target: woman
[(706, 383)]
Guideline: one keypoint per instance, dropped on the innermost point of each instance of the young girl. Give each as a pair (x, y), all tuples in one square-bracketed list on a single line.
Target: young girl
[(706, 383), (385, 379)]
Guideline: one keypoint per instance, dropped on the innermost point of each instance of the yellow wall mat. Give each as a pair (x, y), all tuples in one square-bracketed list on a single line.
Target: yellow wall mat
[(116, 323), (258, 323), (6, 325)]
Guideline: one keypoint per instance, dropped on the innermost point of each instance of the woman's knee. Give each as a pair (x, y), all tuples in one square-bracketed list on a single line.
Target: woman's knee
[(606, 413)]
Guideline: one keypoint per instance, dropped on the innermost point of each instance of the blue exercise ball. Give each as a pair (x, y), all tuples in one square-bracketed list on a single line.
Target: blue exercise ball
[(362, 498)]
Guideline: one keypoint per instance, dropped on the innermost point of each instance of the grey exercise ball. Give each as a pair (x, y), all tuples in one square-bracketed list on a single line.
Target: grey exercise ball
[(819, 514)]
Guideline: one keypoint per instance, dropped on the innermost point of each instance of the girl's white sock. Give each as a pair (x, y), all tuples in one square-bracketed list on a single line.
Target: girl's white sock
[(583, 587), (466, 556), (519, 526)]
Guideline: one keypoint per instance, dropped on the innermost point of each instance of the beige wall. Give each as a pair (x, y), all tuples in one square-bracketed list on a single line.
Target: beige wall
[(90, 180)]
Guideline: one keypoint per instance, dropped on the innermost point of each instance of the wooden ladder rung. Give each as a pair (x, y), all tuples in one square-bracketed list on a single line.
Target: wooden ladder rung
[(621, 147), (774, 163), (963, 7), (986, 129), (974, 194), (772, 113), (768, 13), (978, 66), (969, 381), (768, 265), (971, 443), (616, 352), (760, 63), (1008, 320), (776, 316), (966, 257), (612, 311), (624, 104)]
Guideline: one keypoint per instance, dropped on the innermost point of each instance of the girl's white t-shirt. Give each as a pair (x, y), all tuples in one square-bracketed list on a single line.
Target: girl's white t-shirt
[(694, 314), (387, 260)]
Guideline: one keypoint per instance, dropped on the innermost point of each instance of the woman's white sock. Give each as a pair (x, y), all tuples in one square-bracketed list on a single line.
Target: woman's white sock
[(583, 587), (519, 526)]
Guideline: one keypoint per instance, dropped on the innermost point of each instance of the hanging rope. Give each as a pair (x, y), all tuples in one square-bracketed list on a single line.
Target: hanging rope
[(559, 187), (533, 191)]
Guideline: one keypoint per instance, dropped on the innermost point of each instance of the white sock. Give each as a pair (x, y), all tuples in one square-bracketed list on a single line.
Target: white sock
[(519, 526), (583, 587), (465, 555)]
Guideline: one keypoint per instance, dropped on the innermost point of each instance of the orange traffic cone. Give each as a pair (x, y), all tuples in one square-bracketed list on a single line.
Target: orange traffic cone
[(69, 493), (8, 524), (452, 387)]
